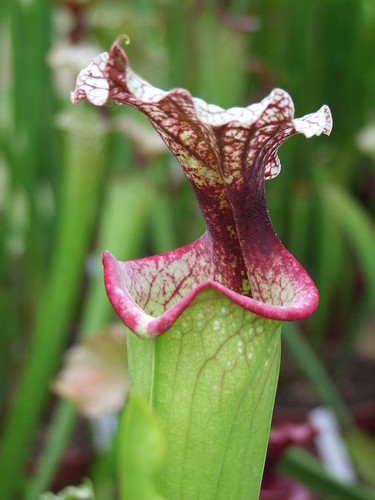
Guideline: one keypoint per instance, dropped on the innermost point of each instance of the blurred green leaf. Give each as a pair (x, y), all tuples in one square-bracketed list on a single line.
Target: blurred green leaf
[(141, 451), (127, 206), (313, 369), (299, 222), (328, 242), (307, 470), (356, 226), (362, 449), (80, 194)]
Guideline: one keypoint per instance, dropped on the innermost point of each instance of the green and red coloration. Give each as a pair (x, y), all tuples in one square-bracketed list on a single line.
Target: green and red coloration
[(213, 307)]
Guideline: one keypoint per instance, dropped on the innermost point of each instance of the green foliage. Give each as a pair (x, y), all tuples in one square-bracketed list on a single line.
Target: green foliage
[(140, 450), (307, 470), (357, 228), (67, 192)]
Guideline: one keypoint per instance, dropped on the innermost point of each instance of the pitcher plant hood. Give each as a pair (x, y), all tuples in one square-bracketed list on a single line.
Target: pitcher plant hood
[(226, 155)]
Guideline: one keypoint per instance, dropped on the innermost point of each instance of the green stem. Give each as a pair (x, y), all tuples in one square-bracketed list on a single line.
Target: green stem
[(213, 392)]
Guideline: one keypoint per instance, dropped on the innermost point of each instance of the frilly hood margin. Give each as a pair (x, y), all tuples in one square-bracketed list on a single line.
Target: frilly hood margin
[(226, 156)]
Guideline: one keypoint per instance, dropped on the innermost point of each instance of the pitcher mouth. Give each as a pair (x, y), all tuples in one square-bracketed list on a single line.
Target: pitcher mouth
[(132, 301)]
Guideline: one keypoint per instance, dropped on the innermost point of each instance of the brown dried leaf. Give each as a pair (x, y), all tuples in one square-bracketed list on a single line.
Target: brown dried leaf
[(94, 377)]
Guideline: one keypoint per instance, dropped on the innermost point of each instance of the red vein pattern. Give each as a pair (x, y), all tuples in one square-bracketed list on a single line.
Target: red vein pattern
[(226, 155)]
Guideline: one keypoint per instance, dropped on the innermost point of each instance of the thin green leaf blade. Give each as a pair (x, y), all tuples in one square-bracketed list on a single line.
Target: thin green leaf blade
[(141, 450)]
